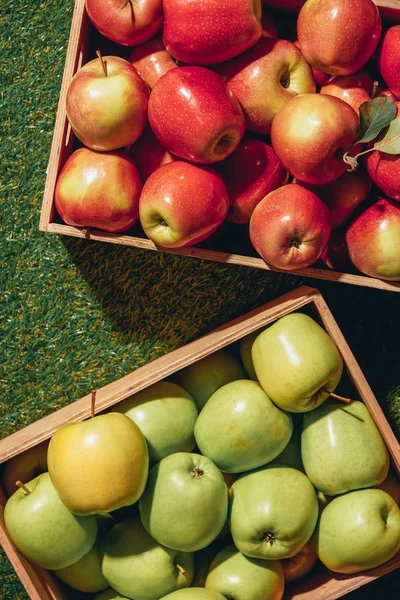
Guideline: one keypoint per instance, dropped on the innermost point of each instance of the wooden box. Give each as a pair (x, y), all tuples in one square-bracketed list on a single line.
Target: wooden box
[(320, 584), (230, 244)]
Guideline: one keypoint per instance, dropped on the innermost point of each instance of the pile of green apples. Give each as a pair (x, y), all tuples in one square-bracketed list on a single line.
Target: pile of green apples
[(229, 480)]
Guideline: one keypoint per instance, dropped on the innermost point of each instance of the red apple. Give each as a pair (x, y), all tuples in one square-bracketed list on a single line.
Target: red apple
[(126, 22), (320, 78), (335, 254), (264, 78), (373, 240), (389, 59), (210, 31), (250, 173), (384, 169), (353, 89), (151, 60), (290, 227), (149, 154), (106, 103), (343, 195), (338, 36), (311, 133), (202, 120), (182, 204), (100, 190), (382, 91), (269, 28)]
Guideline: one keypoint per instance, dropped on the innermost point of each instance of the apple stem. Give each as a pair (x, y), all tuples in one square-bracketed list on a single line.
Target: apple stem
[(103, 62), (92, 404), (374, 89), (338, 397), (23, 487), (181, 569), (352, 161)]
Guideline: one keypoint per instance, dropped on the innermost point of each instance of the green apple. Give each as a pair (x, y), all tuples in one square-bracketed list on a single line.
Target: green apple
[(297, 363), (194, 594), (273, 512), (99, 465), (391, 485), (291, 454), (25, 466), (358, 531), (135, 565), (203, 559), (185, 503), (166, 414), (110, 595), (237, 576), (85, 575), (240, 428), (204, 377), (246, 345), (299, 565), (43, 529), (342, 448)]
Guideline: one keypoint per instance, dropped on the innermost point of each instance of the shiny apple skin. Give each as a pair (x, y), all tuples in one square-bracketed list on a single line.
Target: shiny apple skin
[(250, 173), (290, 227), (113, 19), (151, 60), (338, 36), (201, 110), (149, 154), (299, 565), (98, 190), (107, 113), (389, 59), (353, 89), (309, 134), (255, 79), (320, 78), (384, 169), (344, 195), (335, 255), (210, 31), (373, 241), (182, 204)]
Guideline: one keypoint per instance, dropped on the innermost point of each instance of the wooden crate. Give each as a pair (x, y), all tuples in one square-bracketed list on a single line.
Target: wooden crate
[(321, 584), (222, 246)]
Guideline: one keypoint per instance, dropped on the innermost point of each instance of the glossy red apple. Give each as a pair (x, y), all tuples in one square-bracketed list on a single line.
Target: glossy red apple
[(389, 59), (151, 60), (98, 190), (338, 36), (210, 31), (268, 24), (106, 103), (382, 91), (250, 173), (373, 241), (149, 154), (344, 195), (335, 254), (290, 227), (126, 22), (182, 204), (264, 78), (353, 89), (311, 133), (384, 169), (320, 77), (202, 120)]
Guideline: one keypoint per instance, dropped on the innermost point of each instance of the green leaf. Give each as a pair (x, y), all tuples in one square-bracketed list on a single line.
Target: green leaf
[(390, 142), (375, 115)]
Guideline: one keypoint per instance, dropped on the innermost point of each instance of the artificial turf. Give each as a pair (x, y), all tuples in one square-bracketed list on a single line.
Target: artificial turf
[(77, 314)]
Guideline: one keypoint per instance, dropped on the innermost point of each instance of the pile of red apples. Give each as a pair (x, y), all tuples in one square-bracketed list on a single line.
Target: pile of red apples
[(233, 111)]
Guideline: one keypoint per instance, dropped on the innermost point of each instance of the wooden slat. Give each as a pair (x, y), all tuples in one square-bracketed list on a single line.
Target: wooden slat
[(156, 370)]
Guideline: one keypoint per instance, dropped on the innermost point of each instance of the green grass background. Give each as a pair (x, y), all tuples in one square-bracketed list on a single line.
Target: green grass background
[(77, 314)]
